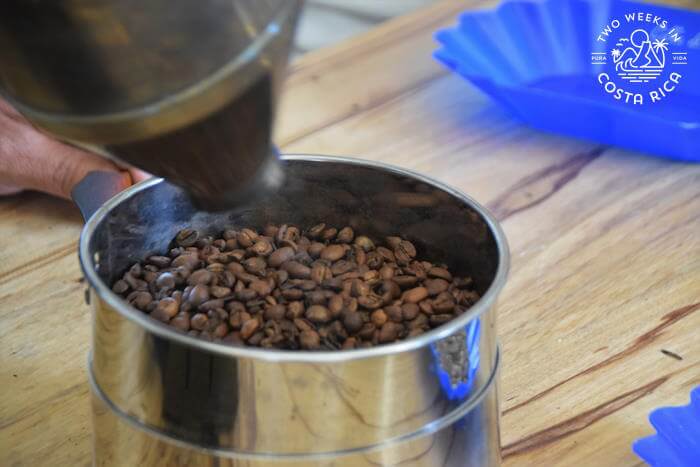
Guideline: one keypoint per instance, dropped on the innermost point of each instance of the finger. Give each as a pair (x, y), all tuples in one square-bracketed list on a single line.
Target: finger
[(35, 161)]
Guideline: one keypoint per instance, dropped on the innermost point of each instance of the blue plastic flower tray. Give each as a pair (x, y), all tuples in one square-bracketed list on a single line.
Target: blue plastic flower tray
[(677, 439), (583, 68)]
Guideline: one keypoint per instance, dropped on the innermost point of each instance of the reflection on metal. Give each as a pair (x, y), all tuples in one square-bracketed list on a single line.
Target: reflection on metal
[(457, 360)]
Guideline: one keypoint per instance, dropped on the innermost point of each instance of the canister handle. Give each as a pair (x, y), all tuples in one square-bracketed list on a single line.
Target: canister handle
[(95, 189)]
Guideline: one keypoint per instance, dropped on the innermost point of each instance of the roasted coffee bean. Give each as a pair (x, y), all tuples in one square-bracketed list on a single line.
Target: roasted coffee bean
[(246, 238), (201, 276), (333, 252), (161, 262), (297, 270), (122, 286), (365, 243), (198, 295), (415, 295), (318, 314), (309, 340), (186, 237), (327, 289), (436, 286)]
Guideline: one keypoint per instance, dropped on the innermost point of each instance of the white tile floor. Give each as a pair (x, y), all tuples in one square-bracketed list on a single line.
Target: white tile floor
[(325, 22)]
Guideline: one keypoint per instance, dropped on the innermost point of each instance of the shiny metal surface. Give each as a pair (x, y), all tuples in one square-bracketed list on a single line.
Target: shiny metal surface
[(409, 401), (184, 90)]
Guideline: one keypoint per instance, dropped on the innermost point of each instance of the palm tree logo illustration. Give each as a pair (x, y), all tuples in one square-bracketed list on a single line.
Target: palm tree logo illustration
[(642, 60)]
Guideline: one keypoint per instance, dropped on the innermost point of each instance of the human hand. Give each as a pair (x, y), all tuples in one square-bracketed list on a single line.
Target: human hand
[(32, 160)]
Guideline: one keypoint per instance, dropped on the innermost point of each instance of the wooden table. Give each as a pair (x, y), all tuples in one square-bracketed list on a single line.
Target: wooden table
[(599, 320)]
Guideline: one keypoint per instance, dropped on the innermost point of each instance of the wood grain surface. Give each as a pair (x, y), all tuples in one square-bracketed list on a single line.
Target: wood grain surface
[(599, 320)]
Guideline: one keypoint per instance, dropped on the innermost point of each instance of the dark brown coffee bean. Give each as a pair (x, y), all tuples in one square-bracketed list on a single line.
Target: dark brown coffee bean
[(316, 297), (139, 299), (199, 321), (359, 288), (275, 312), (333, 252), (159, 261), (352, 321), (426, 306), (168, 307), (367, 331), (211, 304), (315, 249), (386, 272), (186, 237), (200, 277), (350, 343), (409, 311), (134, 283), (342, 267), (315, 231), (261, 287), (365, 243), (329, 234), (394, 313), (293, 294), (303, 325), (318, 314), (186, 260), (406, 281), (393, 242), (420, 322), (122, 286), (436, 286), (320, 272), (438, 320), (198, 295), (374, 260), (246, 238), (439, 273), (255, 265), (389, 289), (386, 254), (415, 295), (181, 321), (309, 340), (295, 310), (336, 305), (262, 247), (345, 235), (389, 332), (468, 298), (371, 301), (271, 230), (219, 292), (288, 233), (297, 270), (249, 328), (444, 303), (379, 317)]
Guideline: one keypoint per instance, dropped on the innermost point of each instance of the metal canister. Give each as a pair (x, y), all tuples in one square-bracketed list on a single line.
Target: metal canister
[(161, 397)]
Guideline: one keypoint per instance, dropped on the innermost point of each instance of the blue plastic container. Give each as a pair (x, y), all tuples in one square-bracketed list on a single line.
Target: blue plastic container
[(677, 439), (543, 60)]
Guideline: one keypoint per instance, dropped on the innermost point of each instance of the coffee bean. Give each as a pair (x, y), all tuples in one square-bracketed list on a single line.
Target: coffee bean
[(219, 292), (198, 295), (367, 330), (181, 322), (379, 317), (186, 237), (365, 243), (394, 313), (320, 272), (406, 281), (345, 235), (389, 332), (371, 301), (255, 265), (161, 262), (333, 252), (318, 314), (249, 328), (139, 299), (168, 307), (262, 247), (246, 237), (275, 312), (122, 286), (329, 234), (199, 321), (315, 249), (439, 273), (438, 320), (201, 276), (187, 260), (415, 295), (436, 286), (309, 340), (315, 231), (409, 311), (350, 343), (261, 287), (297, 270)]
